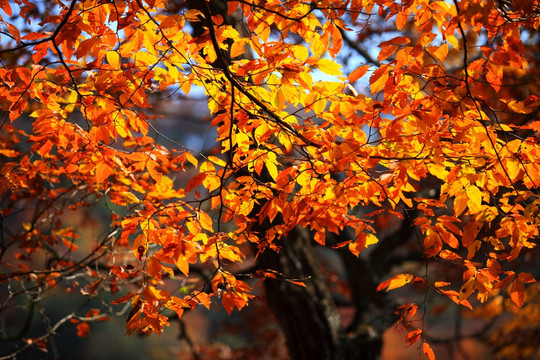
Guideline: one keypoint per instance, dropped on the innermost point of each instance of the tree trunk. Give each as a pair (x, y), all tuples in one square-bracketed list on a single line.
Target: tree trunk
[(308, 316)]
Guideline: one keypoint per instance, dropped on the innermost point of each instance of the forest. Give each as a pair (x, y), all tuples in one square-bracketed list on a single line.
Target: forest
[(322, 179)]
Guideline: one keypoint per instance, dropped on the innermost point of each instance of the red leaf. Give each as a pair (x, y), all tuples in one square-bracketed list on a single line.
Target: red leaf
[(195, 181), (83, 330), (123, 299)]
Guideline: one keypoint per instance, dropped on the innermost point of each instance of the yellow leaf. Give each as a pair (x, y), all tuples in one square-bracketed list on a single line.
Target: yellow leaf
[(319, 106), (371, 239), (272, 169), (519, 107), (206, 221), (145, 58), (300, 52), (279, 100), (453, 41), (113, 59), (217, 161), (328, 67), (192, 159), (467, 289), (475, 199), (212, 182)]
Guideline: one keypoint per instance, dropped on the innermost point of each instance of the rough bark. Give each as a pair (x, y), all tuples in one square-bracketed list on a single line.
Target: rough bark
[(308, 316)]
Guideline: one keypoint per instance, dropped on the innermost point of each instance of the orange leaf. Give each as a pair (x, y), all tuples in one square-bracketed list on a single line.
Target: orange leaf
[(494, 76), (526, 278), (206, 221), (386, 51), (123, 299), (4, 4), (401, 20), (34, 36), (45, 148), (396, 282), (358, 73), (413, 336), (379, 78), (91, 289), (70, 245), (359, 244), (337, 41), (154, 267), (517, 293), (228, 302), (428, 351), (440, 53), (153, 168), (204, 299), (320, 237), (103, 171), (299, 283)]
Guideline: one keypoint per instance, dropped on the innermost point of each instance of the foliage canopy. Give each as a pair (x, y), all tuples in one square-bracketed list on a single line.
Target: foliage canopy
[(439, 131)]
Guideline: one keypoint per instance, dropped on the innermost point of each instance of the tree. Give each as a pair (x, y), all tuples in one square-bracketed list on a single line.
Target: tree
[(435, 163)]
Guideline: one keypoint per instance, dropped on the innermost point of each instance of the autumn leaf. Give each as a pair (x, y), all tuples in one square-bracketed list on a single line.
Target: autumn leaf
[(395, 282), (206, 221), (103, 171), (114, 59), (428, 351), (123, 299), (517, 293), (413, 336), (195, 181), (295, 282), (358, 73), (83, 330), (328, 67), (378, 79)]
